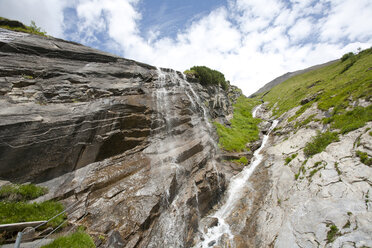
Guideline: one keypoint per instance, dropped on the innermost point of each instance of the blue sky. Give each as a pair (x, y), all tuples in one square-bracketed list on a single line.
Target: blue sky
[(250, 41), (171, 16)]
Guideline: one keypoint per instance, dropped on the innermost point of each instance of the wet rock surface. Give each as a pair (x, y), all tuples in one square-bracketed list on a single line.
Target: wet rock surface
[(128, 146)]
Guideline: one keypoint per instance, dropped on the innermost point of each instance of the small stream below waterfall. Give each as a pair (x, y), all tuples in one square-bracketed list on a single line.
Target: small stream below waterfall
[(214, 234)]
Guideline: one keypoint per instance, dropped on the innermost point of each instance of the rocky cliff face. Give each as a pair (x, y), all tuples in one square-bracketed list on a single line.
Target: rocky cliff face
[(290, 200), (130, 146), (130, 150), (308, 197)]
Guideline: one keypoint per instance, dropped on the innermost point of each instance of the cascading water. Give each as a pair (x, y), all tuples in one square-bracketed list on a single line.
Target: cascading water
[(237, 183), (208, 126), (172, 224)]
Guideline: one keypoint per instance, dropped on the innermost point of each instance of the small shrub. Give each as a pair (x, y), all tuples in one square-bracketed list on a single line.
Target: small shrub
[(290, 158), (316, 164), (287, 160), (352, 59), (242, 161), (79, 239), (24, 192), (364, 158), (208, 76), (319, 142), (35, 29), (297, 175), (347, 224), (347, 56), (332, 234)]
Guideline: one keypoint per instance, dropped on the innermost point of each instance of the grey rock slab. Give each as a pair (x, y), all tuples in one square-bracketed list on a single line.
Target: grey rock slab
[(125, 150)]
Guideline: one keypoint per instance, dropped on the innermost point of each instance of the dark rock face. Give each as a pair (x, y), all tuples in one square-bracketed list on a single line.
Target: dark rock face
[(61, 114), (130, 145)]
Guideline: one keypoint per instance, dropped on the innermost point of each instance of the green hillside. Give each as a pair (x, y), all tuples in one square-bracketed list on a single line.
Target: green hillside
[(334, 88)]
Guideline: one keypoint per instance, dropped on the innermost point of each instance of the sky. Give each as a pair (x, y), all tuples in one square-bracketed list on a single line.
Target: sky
[(250, 41)]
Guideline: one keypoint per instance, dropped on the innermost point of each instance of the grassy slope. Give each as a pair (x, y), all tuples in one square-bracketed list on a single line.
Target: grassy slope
[(78, 239), (15, 208), (243, 126), (335, 87)]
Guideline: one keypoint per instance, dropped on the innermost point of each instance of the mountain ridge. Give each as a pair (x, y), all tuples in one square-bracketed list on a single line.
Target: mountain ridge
[(268, 86)]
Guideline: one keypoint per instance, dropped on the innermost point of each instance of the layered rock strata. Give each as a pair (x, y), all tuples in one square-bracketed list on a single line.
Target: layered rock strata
[(128, 146)]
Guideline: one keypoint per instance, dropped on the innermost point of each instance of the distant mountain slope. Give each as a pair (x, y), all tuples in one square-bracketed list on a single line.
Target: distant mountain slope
[(287, 76), (336, 85)]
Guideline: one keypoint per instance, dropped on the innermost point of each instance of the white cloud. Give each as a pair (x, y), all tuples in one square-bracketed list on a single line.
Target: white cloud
[(47, 14), (349, 19), (250, 41), (253, 15), (301, 29)]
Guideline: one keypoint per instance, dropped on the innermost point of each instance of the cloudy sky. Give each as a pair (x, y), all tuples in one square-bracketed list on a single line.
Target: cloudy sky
[(250, 41)]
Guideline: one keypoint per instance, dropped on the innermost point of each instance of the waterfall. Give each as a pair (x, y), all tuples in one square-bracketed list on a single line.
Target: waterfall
[(208, 126), (214, 234), (172, 89)]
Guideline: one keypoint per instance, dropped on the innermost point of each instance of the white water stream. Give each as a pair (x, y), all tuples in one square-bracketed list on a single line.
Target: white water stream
[(237, 183), (171, 221), (171, 230)]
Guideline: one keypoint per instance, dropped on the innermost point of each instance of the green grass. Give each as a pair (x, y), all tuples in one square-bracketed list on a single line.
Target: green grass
[(290, 158), (301, 170), (17, 192), (347, 224), (334, 86), (332, 234), (12, 212), (243, 128), (319, 142), (32, 29), (27, 76), (364, 158), (312, 172), (242, 161), (78, 239), (351, 120), (316, 168)]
